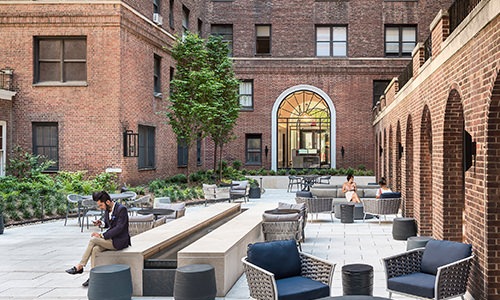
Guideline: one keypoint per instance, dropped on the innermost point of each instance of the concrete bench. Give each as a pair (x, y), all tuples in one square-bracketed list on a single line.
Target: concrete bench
[(224, 247), (151, 242)]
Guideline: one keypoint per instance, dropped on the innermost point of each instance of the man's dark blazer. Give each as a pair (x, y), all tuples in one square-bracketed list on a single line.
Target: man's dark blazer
[(117, 227)]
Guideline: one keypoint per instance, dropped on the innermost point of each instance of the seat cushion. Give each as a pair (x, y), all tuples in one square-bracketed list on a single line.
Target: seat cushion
[(369, 193), (141, 218), (301, 288), (267, 217), (278, 257), (418, 284), (390, 195), (241, 184), (439, 253)]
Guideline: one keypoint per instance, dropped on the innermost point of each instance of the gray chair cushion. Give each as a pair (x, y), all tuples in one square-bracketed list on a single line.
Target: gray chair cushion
[(280, 218), (141, 218), (418, 284), (370, 193), (278, 257), (439, 253)]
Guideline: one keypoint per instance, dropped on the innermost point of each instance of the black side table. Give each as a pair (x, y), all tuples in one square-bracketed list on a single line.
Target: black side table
[(357, 279), (403, 228), (195, 282), (347, 213)]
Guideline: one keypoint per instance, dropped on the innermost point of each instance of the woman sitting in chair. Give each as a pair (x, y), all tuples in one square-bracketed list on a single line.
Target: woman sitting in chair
[(383, 188), (349, 189)]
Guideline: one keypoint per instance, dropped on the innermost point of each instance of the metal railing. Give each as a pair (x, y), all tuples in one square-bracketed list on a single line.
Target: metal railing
[(406, 75), (427, 48), (458, 10)]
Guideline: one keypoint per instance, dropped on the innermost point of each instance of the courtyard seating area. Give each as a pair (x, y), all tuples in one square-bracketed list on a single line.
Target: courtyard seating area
[(38, 254)]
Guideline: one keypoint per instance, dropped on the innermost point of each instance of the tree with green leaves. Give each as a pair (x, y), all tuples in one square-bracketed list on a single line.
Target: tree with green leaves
[(203, 91)]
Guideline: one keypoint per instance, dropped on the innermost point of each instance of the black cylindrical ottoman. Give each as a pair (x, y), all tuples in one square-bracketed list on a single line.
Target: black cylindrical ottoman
[(346, 213), (403, 228), (112, 282), (195, 282), (357, 279), (414, 242)]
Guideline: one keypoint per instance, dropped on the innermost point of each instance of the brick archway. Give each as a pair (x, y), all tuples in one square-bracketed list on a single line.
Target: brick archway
[(423, 212), (390, 159), (493, 192), (397, 178), (408, 190), (449, 213)]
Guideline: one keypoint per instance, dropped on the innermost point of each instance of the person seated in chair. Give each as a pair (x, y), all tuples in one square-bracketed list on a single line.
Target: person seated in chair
[(349, 189), (116, 237), (383, 188)]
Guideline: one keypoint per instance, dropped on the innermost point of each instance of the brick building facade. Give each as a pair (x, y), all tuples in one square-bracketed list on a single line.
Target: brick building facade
[(438, 136), (333, 52), (312, 71)]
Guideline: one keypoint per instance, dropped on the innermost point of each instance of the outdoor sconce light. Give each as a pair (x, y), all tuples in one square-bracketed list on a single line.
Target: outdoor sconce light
[(381, 151), (130, 144), (342, 152), (469, 151), (400, 150), (266, 151)]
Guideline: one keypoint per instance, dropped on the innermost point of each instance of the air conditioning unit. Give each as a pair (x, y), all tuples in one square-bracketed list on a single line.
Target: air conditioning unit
[(158, 19)]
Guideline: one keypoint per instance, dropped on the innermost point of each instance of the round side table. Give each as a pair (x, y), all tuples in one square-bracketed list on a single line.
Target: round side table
[(357, 279), (403, 228), (110, 282), (195, 282)]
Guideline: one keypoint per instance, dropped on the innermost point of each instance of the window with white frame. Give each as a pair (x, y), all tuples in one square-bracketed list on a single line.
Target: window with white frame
[(331, 40), (246, 94)]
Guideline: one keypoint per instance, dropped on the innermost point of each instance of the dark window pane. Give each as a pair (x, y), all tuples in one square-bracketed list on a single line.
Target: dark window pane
[(146, 147), (75, 72), (45, 142), (50, 71), (263, 46), (49, 49), (75, 49)]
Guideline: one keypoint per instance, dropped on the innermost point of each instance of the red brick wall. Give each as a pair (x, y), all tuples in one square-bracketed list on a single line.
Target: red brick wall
[(463, 89)]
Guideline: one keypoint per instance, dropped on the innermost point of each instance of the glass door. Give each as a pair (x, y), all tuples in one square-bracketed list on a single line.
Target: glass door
[(303, 131)]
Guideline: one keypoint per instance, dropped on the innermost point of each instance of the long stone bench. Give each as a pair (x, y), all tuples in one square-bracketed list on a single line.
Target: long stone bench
[(224, 247), (151, 242)]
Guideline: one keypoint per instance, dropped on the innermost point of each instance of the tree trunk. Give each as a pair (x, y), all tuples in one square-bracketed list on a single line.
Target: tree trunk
[(215, 155), (220, 161)]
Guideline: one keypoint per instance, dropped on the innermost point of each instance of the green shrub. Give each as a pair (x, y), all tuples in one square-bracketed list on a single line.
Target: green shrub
[(237, 164)]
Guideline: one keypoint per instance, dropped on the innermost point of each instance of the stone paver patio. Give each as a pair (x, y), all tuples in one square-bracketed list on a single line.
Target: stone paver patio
[(34, 257)]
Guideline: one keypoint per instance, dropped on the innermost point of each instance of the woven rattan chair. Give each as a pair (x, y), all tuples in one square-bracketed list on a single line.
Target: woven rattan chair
[(438, 271), (294, 180), (138, 204), (282, 227), (317, 205), (277, 270), (140, 223), (381, 207)]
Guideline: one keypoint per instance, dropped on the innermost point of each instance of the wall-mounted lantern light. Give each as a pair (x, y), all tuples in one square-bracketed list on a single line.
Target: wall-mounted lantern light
[(400, 150), (381, 151), (130, 144), (342, 152)]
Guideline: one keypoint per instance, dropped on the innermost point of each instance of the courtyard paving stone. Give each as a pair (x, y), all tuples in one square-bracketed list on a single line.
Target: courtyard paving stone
[(35, 256)]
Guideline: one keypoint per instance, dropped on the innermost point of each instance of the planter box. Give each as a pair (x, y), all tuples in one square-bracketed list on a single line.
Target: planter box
[(254, 193)]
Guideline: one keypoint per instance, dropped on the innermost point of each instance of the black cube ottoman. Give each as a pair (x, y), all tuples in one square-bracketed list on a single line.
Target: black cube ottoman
[(357, 279), (195, 282), (110, 282), (347, 213), (403, 228)]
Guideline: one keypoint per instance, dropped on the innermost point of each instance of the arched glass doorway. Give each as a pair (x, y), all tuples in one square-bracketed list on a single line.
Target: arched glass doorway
[(304, 126)]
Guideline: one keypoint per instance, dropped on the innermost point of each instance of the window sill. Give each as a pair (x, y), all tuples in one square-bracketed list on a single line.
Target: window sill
[(246, 109), (147, 169), (158, 95), (253, 164), (61, 84)]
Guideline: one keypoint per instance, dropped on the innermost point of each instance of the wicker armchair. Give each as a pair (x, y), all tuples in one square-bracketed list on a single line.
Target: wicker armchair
[(140, 223), (317, 205), (278, 266), (438, 271), (282, 227), (389, 206)]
